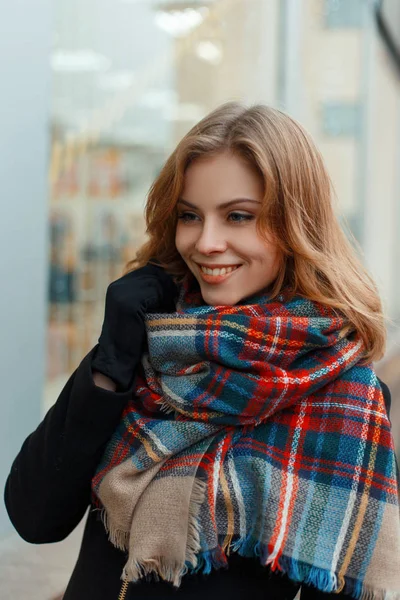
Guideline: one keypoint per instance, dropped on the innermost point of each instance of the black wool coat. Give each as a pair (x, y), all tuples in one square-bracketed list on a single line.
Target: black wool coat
[(48, 492)]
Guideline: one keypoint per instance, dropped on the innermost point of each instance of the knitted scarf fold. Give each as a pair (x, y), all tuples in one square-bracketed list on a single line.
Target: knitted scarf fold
[(254, 429)]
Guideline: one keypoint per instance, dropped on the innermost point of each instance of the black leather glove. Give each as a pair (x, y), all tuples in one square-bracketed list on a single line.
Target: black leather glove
[(121, 343)]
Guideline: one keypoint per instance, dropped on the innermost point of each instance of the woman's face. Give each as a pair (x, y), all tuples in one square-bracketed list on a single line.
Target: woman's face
[(216, 230)]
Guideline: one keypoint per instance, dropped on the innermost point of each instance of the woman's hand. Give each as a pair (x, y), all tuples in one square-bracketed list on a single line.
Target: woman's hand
[(148, 289)]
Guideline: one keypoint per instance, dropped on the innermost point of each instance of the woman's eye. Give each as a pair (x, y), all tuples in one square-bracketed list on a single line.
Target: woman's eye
[(186, 217), (235, 217)]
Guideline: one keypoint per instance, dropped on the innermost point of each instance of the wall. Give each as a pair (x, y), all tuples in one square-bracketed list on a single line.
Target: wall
[(25, 35)]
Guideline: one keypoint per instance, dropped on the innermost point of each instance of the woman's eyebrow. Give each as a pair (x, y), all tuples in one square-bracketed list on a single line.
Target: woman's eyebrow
[(224, 204)]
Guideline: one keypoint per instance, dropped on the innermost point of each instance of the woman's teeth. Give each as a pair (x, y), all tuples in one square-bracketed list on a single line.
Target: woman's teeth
[(222, 271)]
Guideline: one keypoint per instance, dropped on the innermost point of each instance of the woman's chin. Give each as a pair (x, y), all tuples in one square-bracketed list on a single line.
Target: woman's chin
[(215, 297)]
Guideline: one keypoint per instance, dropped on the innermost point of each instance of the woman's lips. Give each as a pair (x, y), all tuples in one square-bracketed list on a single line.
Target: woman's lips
[(214, 279)]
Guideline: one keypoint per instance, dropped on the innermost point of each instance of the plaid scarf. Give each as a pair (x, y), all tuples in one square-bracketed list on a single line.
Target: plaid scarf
[(253, 428)]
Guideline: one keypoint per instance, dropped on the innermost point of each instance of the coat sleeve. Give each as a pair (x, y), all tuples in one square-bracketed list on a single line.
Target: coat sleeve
[(48, 489)]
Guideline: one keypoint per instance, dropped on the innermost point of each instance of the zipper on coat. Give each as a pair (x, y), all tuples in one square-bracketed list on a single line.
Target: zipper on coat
[(123, 590)]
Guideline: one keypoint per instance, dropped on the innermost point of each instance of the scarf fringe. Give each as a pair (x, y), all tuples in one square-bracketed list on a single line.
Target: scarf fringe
[(249, 547), (193, 539), (165, 406), (163, 567), (159, 567), (328, 581), (323, 580), (212, 559), (118, 537)]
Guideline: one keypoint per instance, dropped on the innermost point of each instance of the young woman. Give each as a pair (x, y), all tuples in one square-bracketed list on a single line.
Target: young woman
[(228, 431)]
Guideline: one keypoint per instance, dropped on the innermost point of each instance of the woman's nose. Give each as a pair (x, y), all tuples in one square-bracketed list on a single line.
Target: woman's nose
[(211, 239)]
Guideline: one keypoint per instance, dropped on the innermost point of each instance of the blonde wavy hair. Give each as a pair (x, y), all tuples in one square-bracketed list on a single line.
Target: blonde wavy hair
[(318, 261)]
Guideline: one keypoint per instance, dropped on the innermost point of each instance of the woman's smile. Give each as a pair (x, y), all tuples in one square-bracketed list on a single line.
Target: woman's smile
[(216, 275)]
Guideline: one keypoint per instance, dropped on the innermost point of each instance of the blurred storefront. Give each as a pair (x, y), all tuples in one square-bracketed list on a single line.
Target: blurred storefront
[(130, 77)]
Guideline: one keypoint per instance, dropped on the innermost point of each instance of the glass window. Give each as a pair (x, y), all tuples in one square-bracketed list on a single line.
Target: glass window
[(130, 77)]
